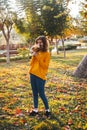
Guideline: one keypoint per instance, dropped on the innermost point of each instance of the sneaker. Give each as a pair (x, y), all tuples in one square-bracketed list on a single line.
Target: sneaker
[(47, 113), (33, 113)]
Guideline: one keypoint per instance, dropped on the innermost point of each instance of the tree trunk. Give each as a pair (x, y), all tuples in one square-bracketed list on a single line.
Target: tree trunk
[(63, 47), (57, 50), (81, 70), (7, 53), (7, 37)]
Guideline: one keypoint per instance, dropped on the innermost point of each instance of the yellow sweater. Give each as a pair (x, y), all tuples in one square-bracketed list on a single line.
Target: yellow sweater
[(39, 64)]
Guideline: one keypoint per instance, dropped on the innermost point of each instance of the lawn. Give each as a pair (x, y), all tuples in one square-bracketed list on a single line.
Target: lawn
[(67, 95)]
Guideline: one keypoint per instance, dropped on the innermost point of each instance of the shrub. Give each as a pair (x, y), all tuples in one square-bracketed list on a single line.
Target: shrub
[(51, 48), (83, 41), (68, 47), (2, 59)]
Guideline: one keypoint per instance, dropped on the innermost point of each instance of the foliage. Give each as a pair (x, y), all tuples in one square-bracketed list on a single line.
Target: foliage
[(66, 95), (55, 13), (38, 15), (32, 21), (83, 14)]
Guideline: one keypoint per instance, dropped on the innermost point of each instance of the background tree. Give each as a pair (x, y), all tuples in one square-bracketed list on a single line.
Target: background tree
[(48, 17), (81, 70), (40, 13), (54, 15), (83, 14), (63, 22), (6, 23), (32, 26)]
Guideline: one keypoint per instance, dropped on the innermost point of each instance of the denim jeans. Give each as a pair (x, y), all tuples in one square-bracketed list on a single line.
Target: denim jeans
[(37, 85)]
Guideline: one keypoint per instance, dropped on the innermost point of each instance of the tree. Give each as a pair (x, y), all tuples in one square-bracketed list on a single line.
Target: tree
[(63, 23), (40, 13), (48, 17), (54, 17), (81, 70), (6, 23), (83, 14), (32, 20)]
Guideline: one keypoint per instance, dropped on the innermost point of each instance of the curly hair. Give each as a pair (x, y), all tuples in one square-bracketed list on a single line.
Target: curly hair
[(44, 41)]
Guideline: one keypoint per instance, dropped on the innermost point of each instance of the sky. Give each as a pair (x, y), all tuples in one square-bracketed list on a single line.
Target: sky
[(75, 7)]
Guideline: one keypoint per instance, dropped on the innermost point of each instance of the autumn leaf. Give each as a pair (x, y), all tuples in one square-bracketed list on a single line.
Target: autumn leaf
[(18, 111), (70, 121)]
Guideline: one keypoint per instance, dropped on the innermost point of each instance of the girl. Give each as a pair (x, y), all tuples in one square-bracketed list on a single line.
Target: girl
[(38, 71)]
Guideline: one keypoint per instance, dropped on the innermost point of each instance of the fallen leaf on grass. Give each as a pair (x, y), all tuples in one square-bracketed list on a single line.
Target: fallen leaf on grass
[(67, 127)]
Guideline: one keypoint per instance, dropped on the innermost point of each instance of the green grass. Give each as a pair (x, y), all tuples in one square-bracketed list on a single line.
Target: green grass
[(67, 95)]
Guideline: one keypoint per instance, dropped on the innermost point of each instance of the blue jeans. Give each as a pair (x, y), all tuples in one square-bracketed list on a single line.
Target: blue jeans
[(37, 85)]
